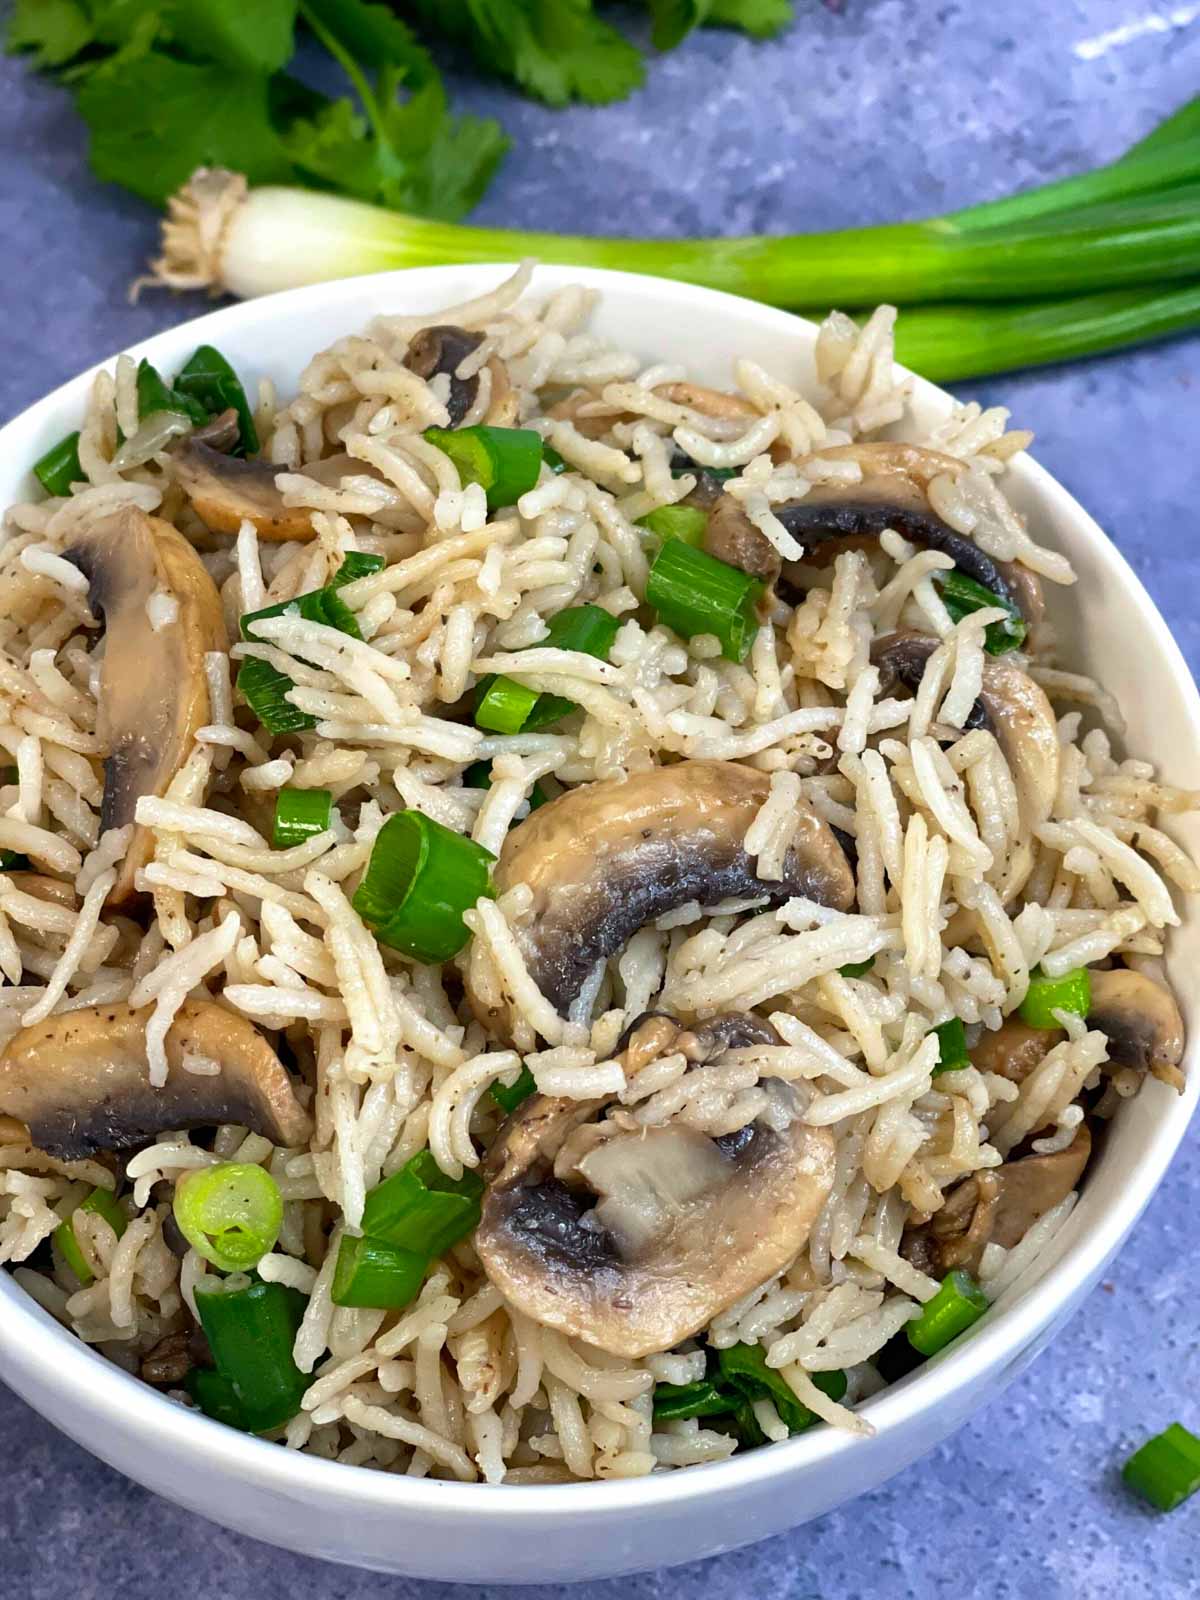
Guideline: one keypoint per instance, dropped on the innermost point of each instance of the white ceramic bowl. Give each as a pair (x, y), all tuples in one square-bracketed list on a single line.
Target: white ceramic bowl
[(475, 1534)]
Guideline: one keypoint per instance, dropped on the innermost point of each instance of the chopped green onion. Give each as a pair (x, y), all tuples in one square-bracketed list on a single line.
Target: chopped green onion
[(356, 564), (479, 776), (154, 395), (322, 605), (952, 1046), (509, 1097), (372, 1273), (209, 379), (957, 1304), (264, 689), (14, 861), (218, 1399), (506, 706), (59, 468), (1072, 992), (962, 595), (675, 1401), (420, 1209), (677, 522), (299, 814), (230, 1213), (1166, 1470), (744, 1367), (554, 461), (694, 593), (251, 1328), (420, 879), (857, 969), (100, 1203), (506, 462)]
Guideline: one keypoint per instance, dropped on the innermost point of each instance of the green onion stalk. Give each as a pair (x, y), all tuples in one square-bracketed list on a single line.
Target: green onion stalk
[(1088, 263)]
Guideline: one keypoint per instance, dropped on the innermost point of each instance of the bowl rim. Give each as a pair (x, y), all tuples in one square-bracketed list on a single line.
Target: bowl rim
[(122, 1400)]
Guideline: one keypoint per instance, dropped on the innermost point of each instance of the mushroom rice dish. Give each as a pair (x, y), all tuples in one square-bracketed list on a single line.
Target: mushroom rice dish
[(555, 922)]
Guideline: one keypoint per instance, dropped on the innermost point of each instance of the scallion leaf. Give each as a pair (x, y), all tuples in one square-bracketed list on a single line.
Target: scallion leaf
[(154, 395), (1166, 1470), (1072, 992), (356, 564), (958, 1304), (59, 468), (299, 814), (251, 1328), (505, 462), (208, 378), (962, 595), (554, 461), (694, 593), (420, 879), (506, 706), (231, 1213), (370, 1272), (675, 1401), (857, 969), (677, 522), (100, 1203), (952, 1046), (264, 689), (420, 1209), (744, 1367), (509, 1096), (479, 776), (503, 705), (263, 686)]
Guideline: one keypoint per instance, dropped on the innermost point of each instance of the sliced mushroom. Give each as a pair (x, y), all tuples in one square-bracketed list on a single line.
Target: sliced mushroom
[(660, 1228), (153, 685), (79, 1080), (226, 491), (1014, 1049), (220, 432), (54, 891), (1141, 1020), (1015, 709), (440, 351), (997, 1207), (730, 536), (604, 859)]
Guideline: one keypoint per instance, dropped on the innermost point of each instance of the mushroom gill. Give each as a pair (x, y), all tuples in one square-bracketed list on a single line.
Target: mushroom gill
[(1141, 1021), (79, 1080), (153, 685), (604, 859), (653, 1230)]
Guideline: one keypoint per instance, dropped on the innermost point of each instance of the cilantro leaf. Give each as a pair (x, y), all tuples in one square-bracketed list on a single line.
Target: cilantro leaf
[(55, 30), (255, 37), (758, 17), (372, 34), (558, 50), (154, 120), (674, 20)]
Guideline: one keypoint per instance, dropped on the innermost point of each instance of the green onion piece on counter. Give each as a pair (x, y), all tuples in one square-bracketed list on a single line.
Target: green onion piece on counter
[(231, 1213), (479, 776), (209, 379), (356, 564), (554, 461), (420, 879), (420, 1209), (299, 814), (100, 1203), (59, 468), (372, 1273), (1072, 992), (857, 969), (264, 689), (962, 595), (677, 522), (675, 1401), (694, 593), (509, 1097), (744, 1367), (506, 706), (1166, 1470), (952, 1046), (506, 462), (251, 1328), (154, 395), (957, 1304)]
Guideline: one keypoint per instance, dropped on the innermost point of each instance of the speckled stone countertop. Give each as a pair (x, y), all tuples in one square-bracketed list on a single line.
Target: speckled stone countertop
[(867, 110)]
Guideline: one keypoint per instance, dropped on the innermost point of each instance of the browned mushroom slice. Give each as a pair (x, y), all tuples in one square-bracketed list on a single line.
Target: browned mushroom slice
[(79, 1080), (221, 432), (439, 351), (226, 491), (1015, 709), (153, 685), (1014, 1049), (604, 859), (997, 1207), (660, 1228), (730, 536), (1141, 1020), (52, 890)]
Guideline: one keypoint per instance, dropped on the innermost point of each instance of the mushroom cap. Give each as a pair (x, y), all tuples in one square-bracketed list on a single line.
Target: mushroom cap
[(441, 350), (604, 859), (226, 491), (79, 1082), (663, 1227), (153, 685), (1141, 1020)]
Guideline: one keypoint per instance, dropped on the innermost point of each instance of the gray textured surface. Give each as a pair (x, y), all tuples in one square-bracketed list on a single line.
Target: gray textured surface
[(869, 111)]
